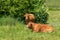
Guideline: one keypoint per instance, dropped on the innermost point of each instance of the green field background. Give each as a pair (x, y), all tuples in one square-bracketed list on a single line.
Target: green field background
[(53, 4)]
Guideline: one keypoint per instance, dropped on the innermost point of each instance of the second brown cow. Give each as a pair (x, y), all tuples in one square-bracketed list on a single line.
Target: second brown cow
[(29, 17)]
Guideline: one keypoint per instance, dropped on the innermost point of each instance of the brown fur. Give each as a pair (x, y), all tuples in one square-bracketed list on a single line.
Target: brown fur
[(39, 27), (29, 17)]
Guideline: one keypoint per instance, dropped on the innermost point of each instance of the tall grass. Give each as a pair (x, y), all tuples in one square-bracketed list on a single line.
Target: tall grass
[(7, 20)]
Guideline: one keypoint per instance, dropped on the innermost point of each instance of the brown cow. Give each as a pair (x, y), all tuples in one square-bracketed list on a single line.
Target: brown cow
[(29, 17), (40, 27)]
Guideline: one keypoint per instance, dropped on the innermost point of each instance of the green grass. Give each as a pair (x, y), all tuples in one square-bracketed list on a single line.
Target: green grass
[(53, 4), (20, 32)]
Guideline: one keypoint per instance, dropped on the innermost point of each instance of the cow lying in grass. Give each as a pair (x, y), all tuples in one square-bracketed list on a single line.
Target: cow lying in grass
[(29, 17), (40, 27)]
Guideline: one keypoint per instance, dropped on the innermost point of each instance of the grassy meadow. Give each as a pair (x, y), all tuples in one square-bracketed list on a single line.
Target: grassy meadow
[(53, 4), (18, 31)]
